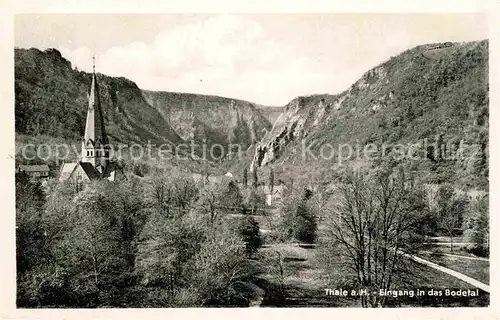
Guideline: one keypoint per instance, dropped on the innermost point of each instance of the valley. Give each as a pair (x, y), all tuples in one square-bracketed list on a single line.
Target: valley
[(291, 203)]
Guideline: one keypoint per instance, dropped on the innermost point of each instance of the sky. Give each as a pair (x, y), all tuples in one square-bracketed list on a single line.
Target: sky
[(263, 58)]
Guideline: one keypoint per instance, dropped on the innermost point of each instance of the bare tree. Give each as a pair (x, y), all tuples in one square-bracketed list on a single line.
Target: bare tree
[(208, 203), (255, 180), (276, 267), (245, 177), (372, 228), (171, 192), (219, 267), (451, 207), (271, 180), (93, 249), (162, 195), (476, 224)]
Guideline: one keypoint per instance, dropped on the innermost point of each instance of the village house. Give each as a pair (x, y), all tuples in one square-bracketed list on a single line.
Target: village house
[(35, 172)]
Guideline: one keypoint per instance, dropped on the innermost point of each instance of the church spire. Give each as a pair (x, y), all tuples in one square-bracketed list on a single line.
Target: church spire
[(95, 148)]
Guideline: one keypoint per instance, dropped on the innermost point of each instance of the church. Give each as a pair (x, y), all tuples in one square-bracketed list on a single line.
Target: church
[(95, 162)]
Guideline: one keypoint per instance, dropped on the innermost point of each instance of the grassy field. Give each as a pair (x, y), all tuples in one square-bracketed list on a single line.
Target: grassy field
[(305, 283), (460, 250), (477, 269), (427, 279), (457, 250), (305, 280), (446, 239)]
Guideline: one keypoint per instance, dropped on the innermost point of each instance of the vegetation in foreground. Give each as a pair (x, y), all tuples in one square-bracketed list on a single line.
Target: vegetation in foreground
[(163, 241), (160, 239)]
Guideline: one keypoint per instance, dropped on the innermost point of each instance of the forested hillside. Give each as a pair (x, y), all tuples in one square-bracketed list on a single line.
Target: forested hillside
[(436, 93), (51, 100)]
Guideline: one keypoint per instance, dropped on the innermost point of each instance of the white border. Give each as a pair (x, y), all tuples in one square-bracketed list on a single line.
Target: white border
[(7, 230)]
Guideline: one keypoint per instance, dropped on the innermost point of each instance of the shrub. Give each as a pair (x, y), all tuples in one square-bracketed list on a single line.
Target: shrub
[(249, 230), (253, 200), (299, 218)]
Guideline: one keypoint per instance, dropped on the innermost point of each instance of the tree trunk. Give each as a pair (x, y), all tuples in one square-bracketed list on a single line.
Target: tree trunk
[(451, 241)]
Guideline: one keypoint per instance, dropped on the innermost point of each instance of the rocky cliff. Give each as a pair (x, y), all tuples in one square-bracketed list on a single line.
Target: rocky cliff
[(433, 92), (210, 118)]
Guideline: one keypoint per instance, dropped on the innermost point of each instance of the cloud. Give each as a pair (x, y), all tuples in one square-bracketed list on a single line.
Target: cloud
[(223, 55), (80, 57), (268, 59)]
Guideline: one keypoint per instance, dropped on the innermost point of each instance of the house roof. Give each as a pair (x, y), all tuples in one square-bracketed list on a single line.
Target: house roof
[(34, 168)]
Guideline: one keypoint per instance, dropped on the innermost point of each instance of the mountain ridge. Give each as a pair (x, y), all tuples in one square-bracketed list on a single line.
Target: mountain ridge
[(51, 100), (236, 121), (426, 92), (432, 91)]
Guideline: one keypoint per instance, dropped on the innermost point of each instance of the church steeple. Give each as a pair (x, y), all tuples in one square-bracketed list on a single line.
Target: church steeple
[(95, 145)]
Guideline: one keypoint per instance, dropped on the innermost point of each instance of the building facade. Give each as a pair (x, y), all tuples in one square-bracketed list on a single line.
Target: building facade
[(35, 172)]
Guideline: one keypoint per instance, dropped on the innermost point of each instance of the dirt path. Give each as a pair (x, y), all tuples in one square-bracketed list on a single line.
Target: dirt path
[(453, 273)]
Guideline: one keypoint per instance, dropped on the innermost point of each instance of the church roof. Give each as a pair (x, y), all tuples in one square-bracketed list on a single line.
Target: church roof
[(66, 170), (89, 169), (95, 133)]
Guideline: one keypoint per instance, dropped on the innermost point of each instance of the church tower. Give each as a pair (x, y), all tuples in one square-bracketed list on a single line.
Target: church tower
[(95, 162), (95, 145)]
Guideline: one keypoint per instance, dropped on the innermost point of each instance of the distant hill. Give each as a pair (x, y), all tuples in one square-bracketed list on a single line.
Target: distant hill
[(211, 118), (437, 92), (51, 101)]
